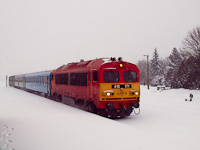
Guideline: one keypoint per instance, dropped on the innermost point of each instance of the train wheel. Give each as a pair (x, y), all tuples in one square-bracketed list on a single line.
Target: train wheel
[(57, 98), (128, 111), (90, 107), (93, 108), (101, 112)]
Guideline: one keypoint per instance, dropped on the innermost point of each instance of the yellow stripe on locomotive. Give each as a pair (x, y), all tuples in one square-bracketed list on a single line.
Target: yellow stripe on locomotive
[(119, 91)]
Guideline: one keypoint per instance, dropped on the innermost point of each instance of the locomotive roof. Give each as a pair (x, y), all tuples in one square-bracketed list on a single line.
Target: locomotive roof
[(96, 63)]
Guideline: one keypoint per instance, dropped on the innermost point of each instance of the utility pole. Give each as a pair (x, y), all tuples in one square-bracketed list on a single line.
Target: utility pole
[(147, 71), (6, 80)]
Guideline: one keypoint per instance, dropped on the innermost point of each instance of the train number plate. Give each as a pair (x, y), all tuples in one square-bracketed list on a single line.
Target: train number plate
[(121, 86)]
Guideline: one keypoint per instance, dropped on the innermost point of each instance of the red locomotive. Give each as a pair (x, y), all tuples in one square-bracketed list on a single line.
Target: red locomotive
[(108, 87)]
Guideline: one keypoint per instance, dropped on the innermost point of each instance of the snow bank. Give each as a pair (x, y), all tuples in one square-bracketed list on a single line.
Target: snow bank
[(166, 121)]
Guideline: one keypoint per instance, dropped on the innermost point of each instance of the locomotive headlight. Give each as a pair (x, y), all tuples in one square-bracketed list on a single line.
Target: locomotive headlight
[(120, 65), (133, 92), (136, 93), (108, 93)]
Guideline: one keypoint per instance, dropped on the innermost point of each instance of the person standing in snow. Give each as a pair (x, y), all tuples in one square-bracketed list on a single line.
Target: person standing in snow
[(191, 96)]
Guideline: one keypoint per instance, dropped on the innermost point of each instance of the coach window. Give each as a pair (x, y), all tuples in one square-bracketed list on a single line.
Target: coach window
[(45, 80), (95, 77)]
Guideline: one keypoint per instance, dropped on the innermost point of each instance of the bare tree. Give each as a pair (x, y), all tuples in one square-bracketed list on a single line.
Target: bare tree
[(189, 70), (191, 44)]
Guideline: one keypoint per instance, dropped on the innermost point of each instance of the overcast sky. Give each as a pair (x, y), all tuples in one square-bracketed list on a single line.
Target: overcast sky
[(38, 35)]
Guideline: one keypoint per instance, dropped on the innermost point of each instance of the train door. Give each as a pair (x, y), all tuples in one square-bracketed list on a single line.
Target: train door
[(47, 82), (24, 82), (52, 84), (90, 86), (94, 86)]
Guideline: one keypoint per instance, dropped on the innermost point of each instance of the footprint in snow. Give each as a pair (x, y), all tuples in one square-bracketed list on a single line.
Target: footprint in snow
[(5, 133)]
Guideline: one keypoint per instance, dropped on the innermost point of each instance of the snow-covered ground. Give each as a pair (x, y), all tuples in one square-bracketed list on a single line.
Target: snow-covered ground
[(166, 122)]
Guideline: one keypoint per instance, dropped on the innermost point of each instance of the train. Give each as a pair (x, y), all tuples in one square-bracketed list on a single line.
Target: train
[(109, 87)]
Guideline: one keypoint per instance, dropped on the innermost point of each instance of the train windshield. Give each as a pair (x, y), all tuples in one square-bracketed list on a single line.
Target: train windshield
[(130, 76), (111, 76)]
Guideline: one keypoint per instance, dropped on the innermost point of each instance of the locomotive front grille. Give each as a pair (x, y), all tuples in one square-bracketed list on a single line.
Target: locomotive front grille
[(116, 99)]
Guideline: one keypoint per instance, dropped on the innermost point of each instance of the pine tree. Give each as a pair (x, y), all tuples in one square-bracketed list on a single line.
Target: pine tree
[(175, 60), (155, 65), (156, 71), (174, 64)]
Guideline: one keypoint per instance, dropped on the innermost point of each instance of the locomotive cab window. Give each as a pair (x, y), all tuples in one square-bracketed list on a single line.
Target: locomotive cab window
[(111, 76), (130, 76)]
